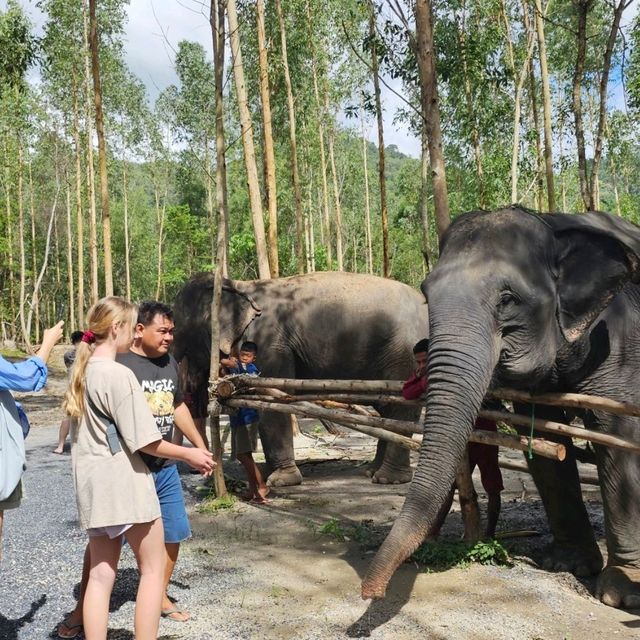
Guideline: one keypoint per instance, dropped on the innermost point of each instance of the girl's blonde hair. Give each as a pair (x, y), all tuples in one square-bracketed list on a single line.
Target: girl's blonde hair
[(100, 318)]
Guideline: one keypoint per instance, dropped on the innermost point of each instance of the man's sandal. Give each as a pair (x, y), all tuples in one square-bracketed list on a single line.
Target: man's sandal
[(66, 630), (172, 612)]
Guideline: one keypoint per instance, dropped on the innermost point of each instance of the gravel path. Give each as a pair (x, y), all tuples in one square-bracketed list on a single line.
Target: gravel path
[(43, 549)]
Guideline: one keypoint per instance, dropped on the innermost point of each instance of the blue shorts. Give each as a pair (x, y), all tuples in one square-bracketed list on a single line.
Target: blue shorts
[(174, 513)]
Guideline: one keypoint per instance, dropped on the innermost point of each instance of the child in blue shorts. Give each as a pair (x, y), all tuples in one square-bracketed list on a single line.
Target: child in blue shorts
[(244, 425)]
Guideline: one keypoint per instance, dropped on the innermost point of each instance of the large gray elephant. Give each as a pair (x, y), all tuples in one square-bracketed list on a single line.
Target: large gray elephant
[(539, 303), (321, 325)]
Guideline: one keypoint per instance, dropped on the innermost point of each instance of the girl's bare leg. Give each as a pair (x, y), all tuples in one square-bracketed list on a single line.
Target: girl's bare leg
[(104, 556), (63, 432), (147, 543)]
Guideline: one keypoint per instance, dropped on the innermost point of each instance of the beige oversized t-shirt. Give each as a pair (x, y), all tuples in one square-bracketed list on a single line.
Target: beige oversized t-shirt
[(113, 489)]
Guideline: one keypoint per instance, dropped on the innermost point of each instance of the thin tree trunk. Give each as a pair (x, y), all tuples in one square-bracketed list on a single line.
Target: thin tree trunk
[(247, 143), (208, 180), (475, 134), (125, 205), (326, 217), (424, 200), (602, 110), (614, 173), (381, 164), (70, 282), (336, 191), (12, 294), (22, 254), (515, 149), (45, 259), (160, 219), (216, 20), (295, 177), (367, 203), (34, 266), (534, 116), (546, 105), (79, 216), (102, 150), (583, 7), (269, 154), (93, 231), (429, 93)]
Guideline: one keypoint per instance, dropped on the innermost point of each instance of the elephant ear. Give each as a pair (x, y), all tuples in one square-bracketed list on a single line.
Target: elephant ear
[(597, 254), (237, 311)]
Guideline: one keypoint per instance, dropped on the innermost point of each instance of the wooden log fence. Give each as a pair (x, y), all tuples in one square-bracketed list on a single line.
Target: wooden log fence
[(340, 402), (573, 400), (239, 383), (399, 431)]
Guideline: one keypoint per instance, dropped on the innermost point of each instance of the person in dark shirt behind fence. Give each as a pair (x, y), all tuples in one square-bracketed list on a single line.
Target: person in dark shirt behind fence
[(484, 456)]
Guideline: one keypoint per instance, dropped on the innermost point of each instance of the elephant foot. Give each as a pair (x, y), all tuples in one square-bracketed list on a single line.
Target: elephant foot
[(619, 587), (285, 477), (582, 562), (387, 474)]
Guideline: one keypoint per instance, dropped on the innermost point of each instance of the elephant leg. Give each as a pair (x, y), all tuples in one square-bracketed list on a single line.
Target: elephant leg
[(574, 546), (378, 459), (619, 472), (277, 444), (392, 462), (395, 467)]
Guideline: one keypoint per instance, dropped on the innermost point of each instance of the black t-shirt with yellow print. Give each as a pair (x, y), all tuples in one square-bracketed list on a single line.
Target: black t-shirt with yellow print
[(158, 378)]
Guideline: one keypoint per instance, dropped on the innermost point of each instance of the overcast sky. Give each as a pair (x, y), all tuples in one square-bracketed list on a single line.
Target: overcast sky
[(155, 27), (153, 31)]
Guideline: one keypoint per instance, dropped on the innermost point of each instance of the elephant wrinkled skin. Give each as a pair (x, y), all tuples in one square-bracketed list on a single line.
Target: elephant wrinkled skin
[(539, 303), (321, 325)]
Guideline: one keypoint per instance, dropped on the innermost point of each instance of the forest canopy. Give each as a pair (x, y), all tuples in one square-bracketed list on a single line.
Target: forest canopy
[(259, 158)]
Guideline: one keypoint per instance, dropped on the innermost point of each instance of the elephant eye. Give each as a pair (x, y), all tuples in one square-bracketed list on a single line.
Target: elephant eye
[(508, 298)]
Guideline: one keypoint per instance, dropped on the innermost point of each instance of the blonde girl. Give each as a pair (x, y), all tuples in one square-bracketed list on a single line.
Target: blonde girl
[(115, 492)]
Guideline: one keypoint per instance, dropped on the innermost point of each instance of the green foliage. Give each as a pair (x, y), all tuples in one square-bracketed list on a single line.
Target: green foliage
[(213, 505), (444, 555), (18, 46), (332, 528), (162, 157)]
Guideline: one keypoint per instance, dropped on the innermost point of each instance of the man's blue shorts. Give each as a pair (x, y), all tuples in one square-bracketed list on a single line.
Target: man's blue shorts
[(174, 513)]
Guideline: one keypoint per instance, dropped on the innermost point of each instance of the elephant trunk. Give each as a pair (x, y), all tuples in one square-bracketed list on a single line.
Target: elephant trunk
[(461, 362)]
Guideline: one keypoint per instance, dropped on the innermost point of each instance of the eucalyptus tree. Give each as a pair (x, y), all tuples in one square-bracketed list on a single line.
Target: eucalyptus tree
[(102, 147), (546, 103), (373, 46), (247, 142), (17, 53), (269, 153), (130, 120), (63, 72), (429, 94), (295, 176), (217, 23)]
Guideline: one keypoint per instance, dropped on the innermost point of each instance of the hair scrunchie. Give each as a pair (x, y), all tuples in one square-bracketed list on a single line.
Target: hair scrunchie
[(89, 337)]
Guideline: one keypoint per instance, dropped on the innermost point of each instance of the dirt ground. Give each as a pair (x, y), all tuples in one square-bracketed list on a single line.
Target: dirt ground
[(292, 568)]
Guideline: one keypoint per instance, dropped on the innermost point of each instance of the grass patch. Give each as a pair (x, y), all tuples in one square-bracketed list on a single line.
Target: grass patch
[(212, 504), (13, 354), (333, 528), (444, 555)]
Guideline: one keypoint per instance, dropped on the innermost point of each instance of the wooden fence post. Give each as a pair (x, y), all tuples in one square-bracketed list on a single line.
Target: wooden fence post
[(468, 500), (213, 408)]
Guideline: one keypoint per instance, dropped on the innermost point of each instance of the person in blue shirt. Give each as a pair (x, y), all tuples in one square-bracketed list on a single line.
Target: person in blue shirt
[(244, 425), (27, 375)]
